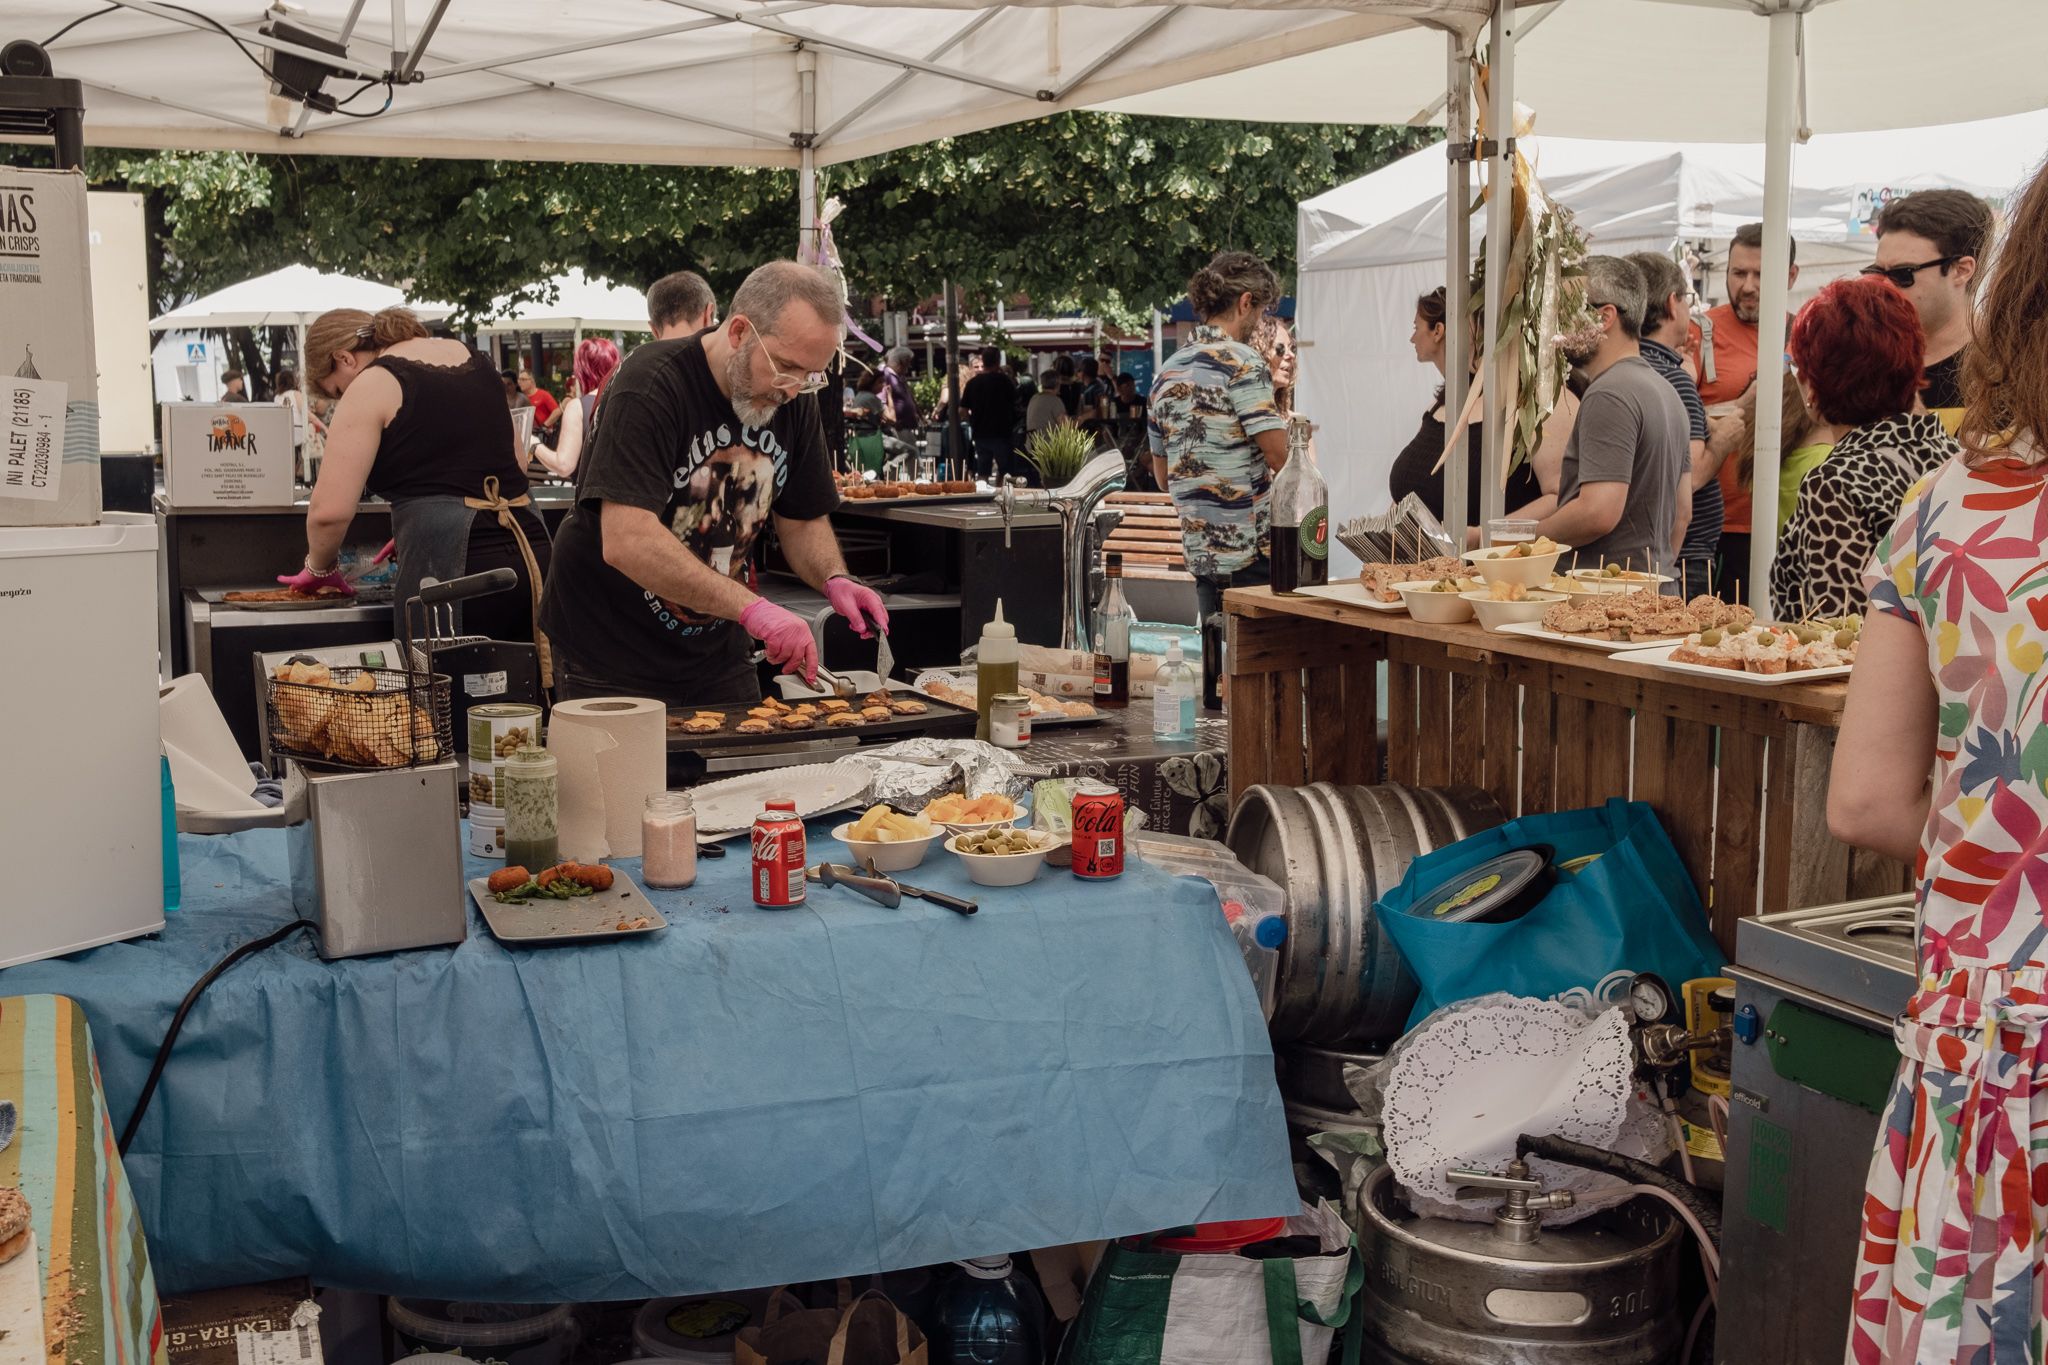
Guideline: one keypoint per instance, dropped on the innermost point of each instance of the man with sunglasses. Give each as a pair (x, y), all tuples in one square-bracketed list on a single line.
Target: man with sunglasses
[(705, 440), (1928, 244)]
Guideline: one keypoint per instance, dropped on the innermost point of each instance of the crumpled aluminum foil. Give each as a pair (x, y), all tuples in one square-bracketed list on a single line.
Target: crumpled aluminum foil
[(915, 772)]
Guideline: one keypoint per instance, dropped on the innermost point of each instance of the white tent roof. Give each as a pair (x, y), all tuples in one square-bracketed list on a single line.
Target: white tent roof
[(1671, 69), (580, 302), (289, 297), (677, 81)]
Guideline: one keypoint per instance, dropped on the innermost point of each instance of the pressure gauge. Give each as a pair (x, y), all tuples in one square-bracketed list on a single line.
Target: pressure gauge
[(1652, 1000)]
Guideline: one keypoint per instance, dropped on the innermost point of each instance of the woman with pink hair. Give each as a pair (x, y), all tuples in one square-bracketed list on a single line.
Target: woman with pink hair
[(596, 361)]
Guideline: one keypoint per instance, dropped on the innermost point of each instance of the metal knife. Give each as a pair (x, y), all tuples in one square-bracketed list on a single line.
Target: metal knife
[(953, 903)]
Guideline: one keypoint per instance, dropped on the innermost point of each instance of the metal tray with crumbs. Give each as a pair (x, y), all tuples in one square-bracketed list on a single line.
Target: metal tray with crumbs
[(587, 919)]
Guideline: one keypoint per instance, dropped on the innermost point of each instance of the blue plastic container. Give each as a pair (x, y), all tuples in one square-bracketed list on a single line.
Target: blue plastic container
[(171, 876)]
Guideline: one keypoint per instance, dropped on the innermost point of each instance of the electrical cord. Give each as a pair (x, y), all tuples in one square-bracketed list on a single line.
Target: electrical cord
[(163, 1052), (76, 22)]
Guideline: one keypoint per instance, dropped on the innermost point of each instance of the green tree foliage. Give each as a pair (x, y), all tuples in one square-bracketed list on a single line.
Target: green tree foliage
[(1106, 213)]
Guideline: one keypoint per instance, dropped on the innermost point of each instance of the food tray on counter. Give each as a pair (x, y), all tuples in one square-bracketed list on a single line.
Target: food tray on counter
[(965, 681), (1659, 656), (1536, 630), (1352, 593), (366, 595), (586, 919), (941, 719)]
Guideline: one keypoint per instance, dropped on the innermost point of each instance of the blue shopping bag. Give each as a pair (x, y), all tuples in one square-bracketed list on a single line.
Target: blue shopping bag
[(1622, 903)]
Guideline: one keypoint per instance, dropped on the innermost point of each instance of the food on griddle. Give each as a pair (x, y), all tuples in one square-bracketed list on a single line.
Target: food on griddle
[(508, 878), (1006, 842), (881, 825), (794, 721), (775, 704), (956, 809), (908, 708), (324, 593), (872, 713), (756, 726), (805, 709), (834, 705), (844, 720), (703, 725), (708, 715), (763, 712)]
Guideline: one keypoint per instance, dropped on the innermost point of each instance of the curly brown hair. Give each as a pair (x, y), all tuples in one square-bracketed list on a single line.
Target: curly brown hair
[(2005, 369)]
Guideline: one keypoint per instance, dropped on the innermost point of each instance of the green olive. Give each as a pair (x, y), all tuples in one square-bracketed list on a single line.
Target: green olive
[(1610, 570), (1845, 639), (1806, 634), (1710, 637)]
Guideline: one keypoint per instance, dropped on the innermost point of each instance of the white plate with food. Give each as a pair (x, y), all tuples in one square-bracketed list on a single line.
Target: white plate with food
[(887, 839), (1535, 630), (1048, 712), (1008, 857), (1770, 655), (1660, 657), (962, 814), (1353, 594), (1621, 576), (729, 806), (616, 908)]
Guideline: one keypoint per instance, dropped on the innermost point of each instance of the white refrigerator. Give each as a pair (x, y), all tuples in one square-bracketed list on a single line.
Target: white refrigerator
[(81, 798)]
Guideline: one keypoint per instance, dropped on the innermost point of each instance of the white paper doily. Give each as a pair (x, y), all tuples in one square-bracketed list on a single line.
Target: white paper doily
[(1475, 1076)]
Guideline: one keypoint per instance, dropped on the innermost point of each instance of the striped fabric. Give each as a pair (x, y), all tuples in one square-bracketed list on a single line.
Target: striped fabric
[(99, 1297)]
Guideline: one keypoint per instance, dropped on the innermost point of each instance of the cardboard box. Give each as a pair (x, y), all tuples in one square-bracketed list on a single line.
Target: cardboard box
[(200, 1329), (49, 385), (227, 455)]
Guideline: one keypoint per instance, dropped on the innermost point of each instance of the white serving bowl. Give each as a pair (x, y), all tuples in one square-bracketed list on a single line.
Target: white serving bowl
[(890, 855), (1493, 615), (1434, 608), (1004, 869), (1493, 565)]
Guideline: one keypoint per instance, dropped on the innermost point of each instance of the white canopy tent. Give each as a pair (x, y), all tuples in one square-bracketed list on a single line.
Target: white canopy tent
[(581, 304), (291, 297), (1367, 249)]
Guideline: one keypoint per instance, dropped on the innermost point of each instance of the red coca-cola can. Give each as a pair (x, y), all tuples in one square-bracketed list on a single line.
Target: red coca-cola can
[(1098, 831), (779, 857)]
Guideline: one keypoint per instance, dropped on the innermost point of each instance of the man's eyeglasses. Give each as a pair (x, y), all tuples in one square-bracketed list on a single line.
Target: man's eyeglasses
[(1904, 275), (810, 381)]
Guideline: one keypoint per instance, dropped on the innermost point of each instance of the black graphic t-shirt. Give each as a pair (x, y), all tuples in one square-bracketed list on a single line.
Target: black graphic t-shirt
[(671, 444), (1942, 391)]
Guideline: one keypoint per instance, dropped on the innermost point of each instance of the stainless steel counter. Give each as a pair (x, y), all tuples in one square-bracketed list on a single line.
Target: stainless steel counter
[(951, 516)]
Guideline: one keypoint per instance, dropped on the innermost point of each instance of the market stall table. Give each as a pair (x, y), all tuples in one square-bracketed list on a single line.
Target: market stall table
[(746, 1098), (99, 1297), (1736, 770)]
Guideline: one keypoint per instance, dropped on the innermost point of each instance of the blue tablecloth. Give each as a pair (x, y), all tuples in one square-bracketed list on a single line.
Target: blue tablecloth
[(747, 1098)]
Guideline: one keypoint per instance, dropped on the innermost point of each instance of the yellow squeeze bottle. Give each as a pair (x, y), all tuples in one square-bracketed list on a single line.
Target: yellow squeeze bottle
[(995, 667)]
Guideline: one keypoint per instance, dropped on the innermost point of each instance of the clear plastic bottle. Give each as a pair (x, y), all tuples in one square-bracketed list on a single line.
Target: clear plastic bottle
[(1173, 697), (1259, 938)]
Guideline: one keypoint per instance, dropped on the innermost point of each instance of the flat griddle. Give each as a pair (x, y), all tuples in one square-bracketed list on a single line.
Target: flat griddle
[(378, 595), (942, 719), (910, 499)]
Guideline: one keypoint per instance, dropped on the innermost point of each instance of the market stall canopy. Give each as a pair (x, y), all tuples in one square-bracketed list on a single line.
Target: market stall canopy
[(1669, 69), (674, 81), (581, 303), (291, 297), (1369, 248)]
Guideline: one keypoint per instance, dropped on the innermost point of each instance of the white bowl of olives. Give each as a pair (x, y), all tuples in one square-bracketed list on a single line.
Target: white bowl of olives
[(1002, 857), (1437, 602)]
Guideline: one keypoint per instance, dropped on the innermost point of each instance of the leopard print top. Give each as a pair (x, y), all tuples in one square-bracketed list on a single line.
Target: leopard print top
[(1846, 505)]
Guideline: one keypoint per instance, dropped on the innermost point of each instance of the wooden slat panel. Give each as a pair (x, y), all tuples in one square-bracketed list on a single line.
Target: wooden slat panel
[(1433, 701), (1328, 723), (1468, 722), (1652, 750), (1267, 644), (1402, 738), (1607, 749), (1290, 767), (1820, 862), (1777, 825), (1539, 750), (1251, 731), (1357, 736), (1503, 722), (1738, 809), (1688, 812), (1574, 735)]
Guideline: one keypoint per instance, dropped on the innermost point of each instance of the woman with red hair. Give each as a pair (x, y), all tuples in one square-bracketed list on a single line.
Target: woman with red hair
[(1857, 350), (596, 361)]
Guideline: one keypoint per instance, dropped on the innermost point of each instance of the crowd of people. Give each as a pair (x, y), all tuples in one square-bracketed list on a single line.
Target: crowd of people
[(1650, 461)]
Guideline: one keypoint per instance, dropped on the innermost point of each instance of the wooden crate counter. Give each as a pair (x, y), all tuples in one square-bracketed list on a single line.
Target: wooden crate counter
[(1737, 772)]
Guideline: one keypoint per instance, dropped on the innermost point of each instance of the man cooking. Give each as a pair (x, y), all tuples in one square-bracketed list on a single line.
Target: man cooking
[(703, 441)]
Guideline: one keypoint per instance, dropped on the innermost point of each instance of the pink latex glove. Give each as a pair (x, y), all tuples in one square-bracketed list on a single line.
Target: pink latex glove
[(307, 582), (785, 636), (860, 604)]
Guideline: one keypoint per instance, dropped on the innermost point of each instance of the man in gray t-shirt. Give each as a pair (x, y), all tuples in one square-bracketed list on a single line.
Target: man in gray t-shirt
[(1621, 498)]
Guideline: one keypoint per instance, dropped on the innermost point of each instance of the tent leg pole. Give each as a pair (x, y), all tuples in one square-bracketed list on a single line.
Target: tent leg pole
[(1779, 115), (305, 397), (1457, 273), (1158, 342), (1499, 227)]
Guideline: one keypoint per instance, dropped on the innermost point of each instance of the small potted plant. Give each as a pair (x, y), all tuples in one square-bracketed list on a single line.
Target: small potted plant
[(1058, 453)]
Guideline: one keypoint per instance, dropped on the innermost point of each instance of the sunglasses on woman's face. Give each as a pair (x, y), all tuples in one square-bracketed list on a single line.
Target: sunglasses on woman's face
[(1904, 275)]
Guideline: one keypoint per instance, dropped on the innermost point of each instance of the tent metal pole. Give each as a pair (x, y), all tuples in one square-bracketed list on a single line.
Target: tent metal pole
[(1457, 273), (1500, 168), (1158, 341), (954, 443), (807, 169), (397, 32), (305, 470), (1780, 116)]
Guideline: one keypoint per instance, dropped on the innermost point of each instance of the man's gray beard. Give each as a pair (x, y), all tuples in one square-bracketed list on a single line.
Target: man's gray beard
[(1750, 314), (739, 378)]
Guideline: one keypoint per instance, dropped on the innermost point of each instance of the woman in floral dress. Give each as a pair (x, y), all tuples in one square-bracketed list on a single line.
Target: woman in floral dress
[(1943, 759)]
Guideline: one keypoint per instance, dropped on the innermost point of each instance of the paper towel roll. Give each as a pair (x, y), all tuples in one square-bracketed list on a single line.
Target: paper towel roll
[(612, 754), (208, 771)]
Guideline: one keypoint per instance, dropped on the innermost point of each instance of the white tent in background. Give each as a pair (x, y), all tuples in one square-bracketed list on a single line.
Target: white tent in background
[(291, 297), (581, 305), (1367, 249)]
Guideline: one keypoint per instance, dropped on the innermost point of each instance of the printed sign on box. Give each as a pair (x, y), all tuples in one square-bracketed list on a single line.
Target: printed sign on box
[(32, 439), (227, 455)]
